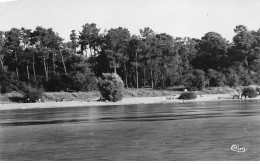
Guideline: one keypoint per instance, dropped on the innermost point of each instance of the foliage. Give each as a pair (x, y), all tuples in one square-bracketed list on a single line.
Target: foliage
[(188, 96), (83, 82), (249, 92), (8, 82), (111, 87), (32, 94), (216, 79), (40, 57), (199, 80), (232, 77), (212, 49)]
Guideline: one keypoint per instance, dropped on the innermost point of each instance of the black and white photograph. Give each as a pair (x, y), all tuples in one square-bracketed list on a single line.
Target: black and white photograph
[(129, 80)]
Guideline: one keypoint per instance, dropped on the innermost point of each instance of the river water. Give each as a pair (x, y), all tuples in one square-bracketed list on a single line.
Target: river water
[(184, 131)]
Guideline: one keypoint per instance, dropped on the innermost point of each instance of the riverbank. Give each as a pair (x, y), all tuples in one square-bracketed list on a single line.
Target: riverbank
[(125, 101)]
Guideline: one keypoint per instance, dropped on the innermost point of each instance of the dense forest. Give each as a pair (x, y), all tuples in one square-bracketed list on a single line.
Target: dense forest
[(41, 58)]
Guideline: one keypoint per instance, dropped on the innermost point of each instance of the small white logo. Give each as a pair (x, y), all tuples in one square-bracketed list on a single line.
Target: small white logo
[(239, 149)]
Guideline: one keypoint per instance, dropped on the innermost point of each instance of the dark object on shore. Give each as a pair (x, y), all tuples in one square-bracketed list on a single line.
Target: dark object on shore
[(70, 90), (249, 92), (188, 96), (61, 100), (100, 99), (170, 98), (236, 97), (258, 90), (17, 99), (192, 89)]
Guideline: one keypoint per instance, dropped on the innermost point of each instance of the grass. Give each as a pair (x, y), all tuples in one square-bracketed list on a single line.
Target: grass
[(220, 90), (70, 96)]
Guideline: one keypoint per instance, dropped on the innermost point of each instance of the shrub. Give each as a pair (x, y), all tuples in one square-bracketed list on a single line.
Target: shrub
[(188, 96), (232, 78), (111, 87), (8, 82), (249, 92), (83, 82), (216, 79), (187, 79), (245, 80), (199, 81), (32, 94), (54, 84)]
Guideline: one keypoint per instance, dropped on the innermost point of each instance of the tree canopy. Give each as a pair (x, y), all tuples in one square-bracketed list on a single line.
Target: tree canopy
[(40, 57)]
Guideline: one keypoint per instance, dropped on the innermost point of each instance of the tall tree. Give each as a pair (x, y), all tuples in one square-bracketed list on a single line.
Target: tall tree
[(2, 53), (212, 52), (47, 43), (242, 50), (13, 41), (88, 37), (135, 45), (116, 42), (74, 41)]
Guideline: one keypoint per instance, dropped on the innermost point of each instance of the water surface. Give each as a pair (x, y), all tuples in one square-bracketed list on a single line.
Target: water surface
[(185, 131)]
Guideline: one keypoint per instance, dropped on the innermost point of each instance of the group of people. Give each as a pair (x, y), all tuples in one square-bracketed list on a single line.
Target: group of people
[(171, 97), (28, 100), (239, 96)]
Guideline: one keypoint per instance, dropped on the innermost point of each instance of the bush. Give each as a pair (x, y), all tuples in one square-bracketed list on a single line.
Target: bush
[(8, 82), (76, 81), (188, 96), (232, 79), (111, 87), (249, 92), (32, 94), (83, 82), (199, 81)]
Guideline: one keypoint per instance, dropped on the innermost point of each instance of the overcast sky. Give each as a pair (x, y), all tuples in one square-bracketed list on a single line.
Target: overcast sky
[(191, 18)]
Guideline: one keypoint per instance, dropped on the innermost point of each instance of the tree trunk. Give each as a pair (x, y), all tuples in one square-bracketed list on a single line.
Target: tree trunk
[(53, 60), (131, 80), (125, 76), (137, 84), (94, 60), (134, 76), (91, 59), (136, 71), (2, 68), (2, 63), (45, 69), (86, 52), (16, 66), (152, 78), (28, 73), (144, 76), (64, 66), (163, 81), (34, 74), (115, 69), (17, 72)]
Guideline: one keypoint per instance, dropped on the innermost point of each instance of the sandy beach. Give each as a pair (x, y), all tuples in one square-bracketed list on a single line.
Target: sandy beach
[(125, 101)]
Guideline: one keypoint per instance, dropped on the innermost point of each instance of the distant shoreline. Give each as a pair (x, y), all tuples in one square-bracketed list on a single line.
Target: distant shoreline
[(125, 101)]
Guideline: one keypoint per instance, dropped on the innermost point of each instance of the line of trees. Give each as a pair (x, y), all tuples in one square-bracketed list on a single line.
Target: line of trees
[(41, 58)]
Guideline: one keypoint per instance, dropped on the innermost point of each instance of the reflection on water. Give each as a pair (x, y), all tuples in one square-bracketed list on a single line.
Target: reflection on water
[(188, 131)]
